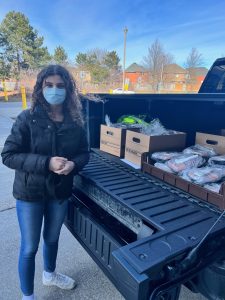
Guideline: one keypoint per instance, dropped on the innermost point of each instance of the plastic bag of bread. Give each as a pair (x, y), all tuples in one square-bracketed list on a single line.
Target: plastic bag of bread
[(205, 175), (185, 161), (163, 156), (200, 150), (163, 167), (217, 160)]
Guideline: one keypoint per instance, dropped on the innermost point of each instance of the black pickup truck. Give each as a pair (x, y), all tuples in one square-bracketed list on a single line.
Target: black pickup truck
[(147, 236)]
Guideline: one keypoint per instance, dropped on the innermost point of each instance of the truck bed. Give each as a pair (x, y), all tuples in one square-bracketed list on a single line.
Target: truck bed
[(147, 236), (111, 204)]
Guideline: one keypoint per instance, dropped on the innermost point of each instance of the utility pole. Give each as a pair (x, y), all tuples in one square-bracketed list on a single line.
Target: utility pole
[(160, 85), (124, 55)]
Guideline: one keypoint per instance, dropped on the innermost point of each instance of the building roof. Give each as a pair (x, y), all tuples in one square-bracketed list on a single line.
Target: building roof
[(135, 68), (174, 69)]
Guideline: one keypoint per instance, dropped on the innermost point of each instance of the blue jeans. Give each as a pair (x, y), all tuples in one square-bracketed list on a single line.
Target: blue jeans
[(30, 216)]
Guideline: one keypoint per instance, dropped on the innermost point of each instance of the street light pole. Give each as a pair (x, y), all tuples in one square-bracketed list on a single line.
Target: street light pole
[(124, 55), (161, 74)]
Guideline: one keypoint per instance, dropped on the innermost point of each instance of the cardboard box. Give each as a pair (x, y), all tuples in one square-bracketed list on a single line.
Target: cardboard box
[(138, 143), (112, 140), (216, 142)]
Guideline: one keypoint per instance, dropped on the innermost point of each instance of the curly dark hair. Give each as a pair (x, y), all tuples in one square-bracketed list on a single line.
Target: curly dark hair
[(72, 102)]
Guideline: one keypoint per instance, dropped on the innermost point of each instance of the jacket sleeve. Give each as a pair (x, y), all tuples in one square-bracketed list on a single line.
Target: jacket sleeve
[(16, 151), (82, 157)]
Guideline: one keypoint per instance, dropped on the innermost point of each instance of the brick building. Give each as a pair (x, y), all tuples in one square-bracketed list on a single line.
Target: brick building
[(174, 78), (195, 78), (136, 76)]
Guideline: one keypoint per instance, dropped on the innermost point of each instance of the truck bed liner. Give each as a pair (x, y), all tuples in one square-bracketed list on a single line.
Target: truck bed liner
[(158, 204)]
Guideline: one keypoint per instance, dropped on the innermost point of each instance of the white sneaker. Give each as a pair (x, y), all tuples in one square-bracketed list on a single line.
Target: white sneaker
[(62, 281), (29, 297)]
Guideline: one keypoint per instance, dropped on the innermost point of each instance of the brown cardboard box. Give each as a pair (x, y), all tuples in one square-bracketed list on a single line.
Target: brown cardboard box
[(112, 140), (214, 141), (138, 143)]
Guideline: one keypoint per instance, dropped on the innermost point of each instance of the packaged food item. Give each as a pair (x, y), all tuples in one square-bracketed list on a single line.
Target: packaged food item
[(132, 120), (214, 187), (124, 125), (185, 161), (164, 156), (217, 160), (107, 121), (163, 167), (200, 150), (154, 128), (184, 175), (205, 175)]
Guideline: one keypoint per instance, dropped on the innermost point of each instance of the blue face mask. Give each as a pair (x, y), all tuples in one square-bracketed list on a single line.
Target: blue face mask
[(54, 95)]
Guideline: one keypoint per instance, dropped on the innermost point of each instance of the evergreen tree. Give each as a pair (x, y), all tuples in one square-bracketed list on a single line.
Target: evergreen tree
[(60, 56), (23, 48), (99, 63), (81, 59), (111, 60), (5, 60)]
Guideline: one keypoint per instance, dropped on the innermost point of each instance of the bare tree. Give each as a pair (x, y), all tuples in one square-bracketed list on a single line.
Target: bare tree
[(98, 53), (155, 61), (193, 61)]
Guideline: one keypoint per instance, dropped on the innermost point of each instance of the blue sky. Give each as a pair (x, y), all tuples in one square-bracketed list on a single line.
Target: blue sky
[(81, 25)]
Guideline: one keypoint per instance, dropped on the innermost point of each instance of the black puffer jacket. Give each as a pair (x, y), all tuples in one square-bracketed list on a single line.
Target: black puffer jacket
[(34, 139)]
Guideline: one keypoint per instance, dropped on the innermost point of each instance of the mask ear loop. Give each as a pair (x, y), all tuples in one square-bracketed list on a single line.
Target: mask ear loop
[(43, 84)]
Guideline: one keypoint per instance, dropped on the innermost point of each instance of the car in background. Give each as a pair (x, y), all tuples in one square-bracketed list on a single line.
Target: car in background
[(121, 91)]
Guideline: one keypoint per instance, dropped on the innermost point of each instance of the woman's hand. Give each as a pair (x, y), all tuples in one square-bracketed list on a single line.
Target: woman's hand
[(69, 166), (57, 163)]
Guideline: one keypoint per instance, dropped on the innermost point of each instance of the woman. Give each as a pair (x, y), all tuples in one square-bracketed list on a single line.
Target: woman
[(47, 147)]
